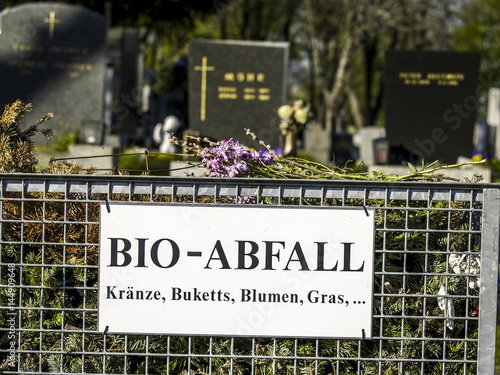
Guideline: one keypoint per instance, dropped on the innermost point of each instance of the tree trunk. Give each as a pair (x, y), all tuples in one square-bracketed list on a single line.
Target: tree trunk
[(332, 96), (357, 114)]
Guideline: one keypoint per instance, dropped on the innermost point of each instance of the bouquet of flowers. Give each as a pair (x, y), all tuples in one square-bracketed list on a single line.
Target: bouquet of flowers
[(229, 158), (293, 118)]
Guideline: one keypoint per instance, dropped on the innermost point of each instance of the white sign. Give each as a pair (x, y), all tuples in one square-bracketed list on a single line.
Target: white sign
[(239, 271)]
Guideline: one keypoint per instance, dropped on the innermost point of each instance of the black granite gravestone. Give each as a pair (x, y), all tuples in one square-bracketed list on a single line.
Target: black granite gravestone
[(431, 104), (235, 85), (53, 55)]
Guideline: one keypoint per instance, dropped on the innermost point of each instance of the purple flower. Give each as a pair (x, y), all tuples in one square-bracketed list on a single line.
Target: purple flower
[(246, 200), (241, 166), (243, 199), (231, 159)]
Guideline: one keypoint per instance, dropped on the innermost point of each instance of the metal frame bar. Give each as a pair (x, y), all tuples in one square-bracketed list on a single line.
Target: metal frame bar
[(489, 275)]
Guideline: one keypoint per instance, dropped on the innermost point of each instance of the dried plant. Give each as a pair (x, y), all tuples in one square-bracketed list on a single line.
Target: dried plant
[(67, 167), (17, 151)]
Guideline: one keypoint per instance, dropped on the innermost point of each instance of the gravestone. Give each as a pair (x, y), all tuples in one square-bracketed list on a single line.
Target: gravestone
[(431, 104), (318, 142), (235, 85), (53, 55), (126, 92), (365, 139), (493, 117)]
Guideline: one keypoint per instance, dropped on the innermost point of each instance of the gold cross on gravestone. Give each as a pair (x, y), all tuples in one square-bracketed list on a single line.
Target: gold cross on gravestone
[(204, 69), (52, 20)]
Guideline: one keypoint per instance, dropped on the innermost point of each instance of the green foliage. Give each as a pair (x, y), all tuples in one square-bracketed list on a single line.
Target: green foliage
[(145, 162), (167, 46), (479, 25), (494, 166), (64, 141), (146, 13)]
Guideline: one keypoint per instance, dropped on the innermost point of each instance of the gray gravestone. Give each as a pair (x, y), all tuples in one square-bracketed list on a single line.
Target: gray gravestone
[(123, 52), (235, 85), (493, 117), (53, 55), (318, 142), (364, 140)]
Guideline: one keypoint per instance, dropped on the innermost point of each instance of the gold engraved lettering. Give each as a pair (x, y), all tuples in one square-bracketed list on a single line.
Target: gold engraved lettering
[(448, 83), (417, 82), (52, 20), (227, 92), (263, 97), (249, 90), (227, 89), (446, 79), (27, 63), (22, 63), (229, 77), (73, 66), (264, 90), (249, 97), (446, 76), (244, 77), (228, 95), (410, 75), (432, 78), (68, 50), (27, 48)]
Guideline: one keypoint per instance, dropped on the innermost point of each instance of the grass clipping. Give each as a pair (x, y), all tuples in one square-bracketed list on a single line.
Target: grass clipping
[(17, 150)]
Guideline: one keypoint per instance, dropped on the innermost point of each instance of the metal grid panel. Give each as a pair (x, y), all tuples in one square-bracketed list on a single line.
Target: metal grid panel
[(428, 238)]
